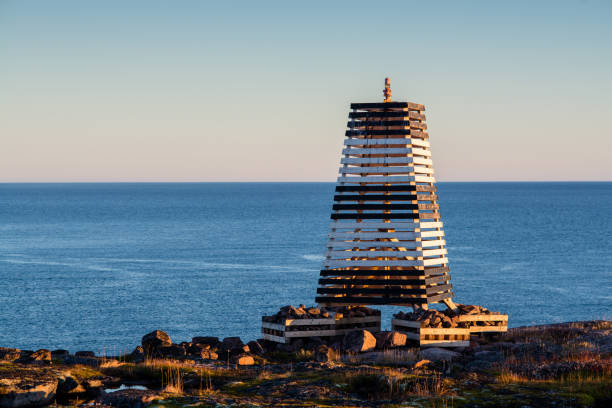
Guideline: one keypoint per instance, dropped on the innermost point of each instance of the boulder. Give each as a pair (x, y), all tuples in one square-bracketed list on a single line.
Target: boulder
[(154, 340), (60, 354), (255, 347), (243, 360), (209, 355), (84, 354), (209, 340), (173, 350), (68, 385), (42, 356), (231, 344), (313, 311), (9, 354), (197, 349), (358, 341), (439, 354), (390, 339)]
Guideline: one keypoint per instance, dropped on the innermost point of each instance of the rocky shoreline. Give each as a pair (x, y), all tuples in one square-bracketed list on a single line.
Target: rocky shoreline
[(566, 364)]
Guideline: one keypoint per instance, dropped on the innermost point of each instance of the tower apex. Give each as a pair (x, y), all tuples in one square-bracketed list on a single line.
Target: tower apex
[(387, 90)]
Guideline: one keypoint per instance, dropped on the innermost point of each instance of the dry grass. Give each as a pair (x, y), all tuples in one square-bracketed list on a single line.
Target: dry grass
[(390, 357), (391, 383), (172, 380)]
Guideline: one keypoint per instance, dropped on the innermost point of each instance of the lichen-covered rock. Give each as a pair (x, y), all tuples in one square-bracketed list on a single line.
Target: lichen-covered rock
[(28, 387)]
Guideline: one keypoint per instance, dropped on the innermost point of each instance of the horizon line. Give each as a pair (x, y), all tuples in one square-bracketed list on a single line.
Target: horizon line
[(288, 181)]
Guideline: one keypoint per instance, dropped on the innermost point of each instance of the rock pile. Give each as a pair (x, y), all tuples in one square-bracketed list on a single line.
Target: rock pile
[(158, 344), (446, 318), (303, 312)]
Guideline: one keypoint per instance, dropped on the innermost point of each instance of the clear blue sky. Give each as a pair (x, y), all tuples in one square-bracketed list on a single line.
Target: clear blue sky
[(260, 91)]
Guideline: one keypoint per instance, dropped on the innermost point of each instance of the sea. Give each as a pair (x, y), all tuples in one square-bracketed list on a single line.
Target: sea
[(97, 266)]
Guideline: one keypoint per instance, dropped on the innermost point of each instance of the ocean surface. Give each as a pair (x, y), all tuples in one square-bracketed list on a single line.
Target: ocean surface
[(96, 266)]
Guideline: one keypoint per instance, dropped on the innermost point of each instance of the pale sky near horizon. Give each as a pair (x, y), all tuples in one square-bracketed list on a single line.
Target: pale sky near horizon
[(260, 91)]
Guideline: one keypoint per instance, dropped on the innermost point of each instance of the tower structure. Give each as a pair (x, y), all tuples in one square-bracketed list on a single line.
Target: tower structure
[(386, 242)]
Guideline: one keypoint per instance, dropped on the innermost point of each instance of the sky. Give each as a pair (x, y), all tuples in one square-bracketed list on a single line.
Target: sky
[(260, 91)]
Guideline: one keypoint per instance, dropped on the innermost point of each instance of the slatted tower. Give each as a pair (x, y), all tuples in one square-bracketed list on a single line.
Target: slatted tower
[(386, 244)]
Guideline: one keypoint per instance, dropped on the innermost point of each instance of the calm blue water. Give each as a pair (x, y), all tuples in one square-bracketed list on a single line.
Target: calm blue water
[(96, 266)]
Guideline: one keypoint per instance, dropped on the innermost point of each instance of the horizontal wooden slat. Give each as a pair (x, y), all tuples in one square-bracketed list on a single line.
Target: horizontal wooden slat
[(311, 333), (385, 244), (331, 263), (386, 132), (488, 329), (388, 105), (483, 318), (377, 197), (397, 225), (366, 300), (444, 343), (386, 179), (386, 160), (377, 150), (370, 291), (377, 122), (373, 254), (404, 115), (382, 254), (405, 187), (374, 216), (345, 235), (377, 142), (388, 170), (273, 338), (386, 150), (433, 261), (381, 206), (439, 271), (339, 245), (339, 281), (439, 288), (385, 206)]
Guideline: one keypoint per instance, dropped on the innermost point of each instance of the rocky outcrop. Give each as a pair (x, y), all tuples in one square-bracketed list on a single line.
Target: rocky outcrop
[(152, 342), (439, 354), (129, 398), (27, 387), (42, 356)]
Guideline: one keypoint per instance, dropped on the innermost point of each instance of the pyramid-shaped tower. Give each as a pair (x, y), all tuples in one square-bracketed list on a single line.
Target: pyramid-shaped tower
[(386, 243)]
